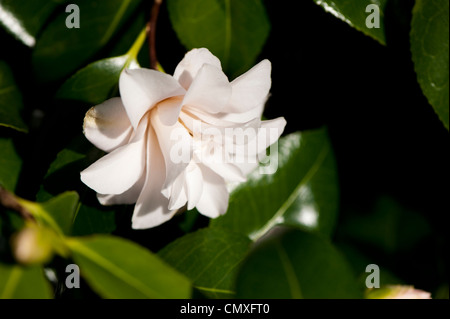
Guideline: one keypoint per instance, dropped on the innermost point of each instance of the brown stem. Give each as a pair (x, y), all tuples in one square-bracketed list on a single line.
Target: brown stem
[(151, 33), (9, 201)]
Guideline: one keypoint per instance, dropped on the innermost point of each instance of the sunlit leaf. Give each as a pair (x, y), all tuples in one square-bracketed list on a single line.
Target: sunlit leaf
[(210, 258), (357, 13), (57, 213), (303, 192), (117, 268), (17, 282)]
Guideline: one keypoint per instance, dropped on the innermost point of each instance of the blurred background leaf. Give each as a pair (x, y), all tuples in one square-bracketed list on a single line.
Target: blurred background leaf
[(118, 268), (233, 30), (390, 227), (354, 13), (57, 213), (61, 51), (296, 265), (210, 258), (10, 164), (303, 192), (10, 100), (430, 51), (17, 282)]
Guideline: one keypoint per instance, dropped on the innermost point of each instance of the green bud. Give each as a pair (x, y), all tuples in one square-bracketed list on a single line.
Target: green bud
[(32, 245)]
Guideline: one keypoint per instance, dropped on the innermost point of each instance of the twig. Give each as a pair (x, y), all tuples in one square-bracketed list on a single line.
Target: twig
[(9, 201), (151, 33)]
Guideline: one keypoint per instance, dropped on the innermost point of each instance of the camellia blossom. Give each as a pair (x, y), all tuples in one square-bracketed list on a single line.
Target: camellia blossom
[(398, 292), (176, 141)]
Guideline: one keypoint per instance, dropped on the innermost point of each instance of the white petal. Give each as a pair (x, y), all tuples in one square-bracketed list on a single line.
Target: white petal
[(169, 110), (268, 134), (248, 167), (188, 68), (210, 91), (151, 209), (224, 119), (251, 89), (175, 143), (118, 171), (193, 185), (107, 125), (127, 198), (215, 157), (142, 89), (178, 193), (255, 113), (215, 196)]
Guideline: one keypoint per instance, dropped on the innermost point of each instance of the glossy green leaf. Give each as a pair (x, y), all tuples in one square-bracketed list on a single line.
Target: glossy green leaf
[(25, 18), (99, 81), (63, 175), (10, 164), (430, 51), (356, 14), (234, 30), (10, 100), (210, 258), (61, 51), (17, 282), (296, 265), (117, 268), (95, 83), (303, 192), (57, 213)]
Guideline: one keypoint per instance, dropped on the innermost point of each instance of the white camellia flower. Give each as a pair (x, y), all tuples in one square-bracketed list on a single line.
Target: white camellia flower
[(179, 140), (398, 292)]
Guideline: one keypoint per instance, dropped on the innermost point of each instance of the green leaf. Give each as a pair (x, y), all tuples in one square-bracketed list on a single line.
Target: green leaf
[(98, 81), (430, 52), (390, 227), (303, 192), (233, 30), (92, 220), (354, 13), (10, 164), (17, 282), (63, 175), (24, 19), (117, 268), (10, 100), (61, 51), (210, 258), (58, 213), (296, 265), (95, 83)]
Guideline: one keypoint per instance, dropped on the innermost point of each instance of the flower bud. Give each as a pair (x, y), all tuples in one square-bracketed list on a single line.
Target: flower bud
[(397, 292), (32, 246)]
